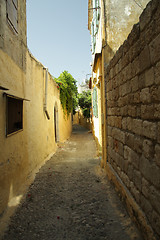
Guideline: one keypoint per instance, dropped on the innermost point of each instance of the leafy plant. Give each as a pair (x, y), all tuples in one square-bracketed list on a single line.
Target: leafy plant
[(84, 101), (68, 92)]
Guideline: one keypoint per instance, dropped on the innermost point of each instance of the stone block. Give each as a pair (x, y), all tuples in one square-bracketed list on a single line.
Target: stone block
[(137, 126), (110, 121), (149, 130), (134, 159), (145, 188), (145, 96), (118, 122), (132, 111), (158, 139), (129, 71), (124, 123), (131, 156), (134, 35), (151, 32), (138, 111), (144, 59), (135, 67), (109, 131), (148, 149), (109, 86), (155, 50), (109, 95), (141, 81), (146, 206), (125, 179), (136, 97), (119, 161), (130, 172), (157, 154), (145, 17), (154, 197), (126, 152), (135, 84), (147, 112), (124, 111), (130, 123), (138, 144), (110, 141), (157, 73), (125, 165), (135, 192), (137, 179), (156, 222), (115, 94), (129, 140), (157, 111), (150, 171), (155, 93), (119, 135), (149, 77)]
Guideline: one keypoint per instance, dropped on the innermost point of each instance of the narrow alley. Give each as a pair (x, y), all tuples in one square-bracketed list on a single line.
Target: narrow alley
[(71, 198)]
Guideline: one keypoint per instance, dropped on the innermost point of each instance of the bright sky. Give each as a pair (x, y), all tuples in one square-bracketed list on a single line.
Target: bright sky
[(58, 36)]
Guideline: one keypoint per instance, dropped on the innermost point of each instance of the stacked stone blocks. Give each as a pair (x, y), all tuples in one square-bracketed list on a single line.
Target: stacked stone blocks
[(133, 113)]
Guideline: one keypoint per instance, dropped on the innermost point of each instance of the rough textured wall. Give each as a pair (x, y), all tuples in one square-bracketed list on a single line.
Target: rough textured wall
[(14, 44), (41, 132), (133, 113), (13, 149), (120, 17), (22, 153)]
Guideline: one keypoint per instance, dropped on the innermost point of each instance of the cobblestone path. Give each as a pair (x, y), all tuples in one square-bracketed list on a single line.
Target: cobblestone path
[(72, 199)]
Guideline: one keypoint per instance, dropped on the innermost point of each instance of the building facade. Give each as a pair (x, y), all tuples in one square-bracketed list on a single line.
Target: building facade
[(125, 66), (31, 116)]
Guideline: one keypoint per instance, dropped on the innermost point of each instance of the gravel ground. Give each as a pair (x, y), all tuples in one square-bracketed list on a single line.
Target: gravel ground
[(72, 199)]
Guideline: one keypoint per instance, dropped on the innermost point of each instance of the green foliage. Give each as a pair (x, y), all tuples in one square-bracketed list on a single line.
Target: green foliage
[(68, 92), (84, 101)]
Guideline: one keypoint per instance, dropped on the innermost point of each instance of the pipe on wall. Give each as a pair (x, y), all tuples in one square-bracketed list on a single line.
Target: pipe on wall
[(46, 95)]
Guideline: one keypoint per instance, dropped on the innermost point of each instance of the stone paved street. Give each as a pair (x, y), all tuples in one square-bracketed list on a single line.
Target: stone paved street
[(72, 199)]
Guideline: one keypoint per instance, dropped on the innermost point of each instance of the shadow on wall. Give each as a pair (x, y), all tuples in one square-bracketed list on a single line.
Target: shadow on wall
[(78, 118)]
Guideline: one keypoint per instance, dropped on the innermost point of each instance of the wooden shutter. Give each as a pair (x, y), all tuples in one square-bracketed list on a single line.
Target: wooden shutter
[(95, 105), (12, 14)]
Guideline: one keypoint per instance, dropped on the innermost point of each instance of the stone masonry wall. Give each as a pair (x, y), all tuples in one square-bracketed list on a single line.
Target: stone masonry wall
[(133, 113)]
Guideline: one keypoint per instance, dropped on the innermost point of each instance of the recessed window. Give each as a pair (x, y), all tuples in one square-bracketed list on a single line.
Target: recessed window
[(12, 14), (14, 115)]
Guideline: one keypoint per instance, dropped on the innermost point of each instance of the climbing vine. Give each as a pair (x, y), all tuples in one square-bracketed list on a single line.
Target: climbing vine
[(84, 101), (68, 92)]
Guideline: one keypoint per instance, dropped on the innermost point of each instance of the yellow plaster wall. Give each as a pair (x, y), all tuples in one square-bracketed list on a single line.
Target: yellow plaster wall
[(13, 149), (23, 153)]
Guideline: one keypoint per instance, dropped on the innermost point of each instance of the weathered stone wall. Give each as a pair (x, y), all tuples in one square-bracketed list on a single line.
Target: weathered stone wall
[(120, 17), (133, 115), (14, 44)]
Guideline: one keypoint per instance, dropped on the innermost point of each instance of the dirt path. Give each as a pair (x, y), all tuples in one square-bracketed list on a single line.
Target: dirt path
[(72, 199)]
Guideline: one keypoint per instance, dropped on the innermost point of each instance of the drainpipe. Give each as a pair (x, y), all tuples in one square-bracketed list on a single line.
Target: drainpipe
[(46, 93)]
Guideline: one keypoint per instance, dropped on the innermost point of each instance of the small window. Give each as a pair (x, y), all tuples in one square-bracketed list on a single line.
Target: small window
[(14, 115), (12, 14)]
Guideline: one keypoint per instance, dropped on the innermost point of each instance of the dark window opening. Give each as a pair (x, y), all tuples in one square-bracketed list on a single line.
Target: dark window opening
[(12, 14), (14, 115)]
